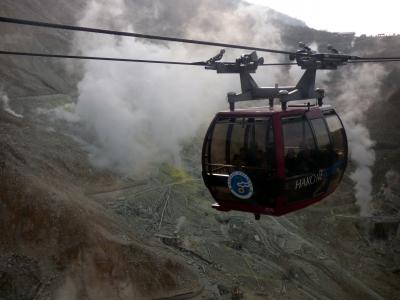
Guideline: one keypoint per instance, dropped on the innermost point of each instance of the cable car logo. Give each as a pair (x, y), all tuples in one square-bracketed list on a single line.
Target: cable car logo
[(240, 185)]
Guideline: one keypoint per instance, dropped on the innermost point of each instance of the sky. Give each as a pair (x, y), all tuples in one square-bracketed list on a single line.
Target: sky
[(361, 17)]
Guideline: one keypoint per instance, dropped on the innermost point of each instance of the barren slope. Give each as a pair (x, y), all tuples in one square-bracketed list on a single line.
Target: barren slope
[(55, 241)]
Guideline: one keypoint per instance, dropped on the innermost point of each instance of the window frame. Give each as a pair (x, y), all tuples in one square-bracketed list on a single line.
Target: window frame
[(345, 142), (326, 127), (243, 120)]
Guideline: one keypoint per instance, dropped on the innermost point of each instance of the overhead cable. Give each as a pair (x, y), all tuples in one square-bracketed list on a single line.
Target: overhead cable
[(137, 35), (17, 53)]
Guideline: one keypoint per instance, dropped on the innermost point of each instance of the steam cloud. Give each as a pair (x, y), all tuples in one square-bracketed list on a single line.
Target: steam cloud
[(393, 179), (179, 224), (360, 89), (391, 191), (66, 113), (140, 114), (5, 103)]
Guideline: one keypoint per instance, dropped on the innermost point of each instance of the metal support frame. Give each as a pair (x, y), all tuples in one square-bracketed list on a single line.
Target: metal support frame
[(251, 91), (307, 59)]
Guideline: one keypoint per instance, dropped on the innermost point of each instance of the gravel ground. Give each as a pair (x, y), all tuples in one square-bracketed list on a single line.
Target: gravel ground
[(72, 230)]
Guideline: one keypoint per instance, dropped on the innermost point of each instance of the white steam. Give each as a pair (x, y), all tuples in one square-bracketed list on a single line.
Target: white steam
[(391, 190), (179, 224), (5, 103), (141, 114), (388, 198), (393, 179), (66, 113), (360, 90)]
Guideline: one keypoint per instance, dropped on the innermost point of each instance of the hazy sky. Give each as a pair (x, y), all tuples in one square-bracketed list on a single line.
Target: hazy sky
[(369, 17)]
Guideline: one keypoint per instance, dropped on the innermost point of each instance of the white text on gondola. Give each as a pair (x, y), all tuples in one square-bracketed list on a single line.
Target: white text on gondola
[(309, 180)]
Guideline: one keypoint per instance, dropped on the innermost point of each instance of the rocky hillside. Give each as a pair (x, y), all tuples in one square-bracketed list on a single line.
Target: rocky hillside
[(74, 231), (58, 243), (24, 76)]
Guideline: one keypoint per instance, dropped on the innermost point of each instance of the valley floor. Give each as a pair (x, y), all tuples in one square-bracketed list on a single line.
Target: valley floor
[(71, 231)]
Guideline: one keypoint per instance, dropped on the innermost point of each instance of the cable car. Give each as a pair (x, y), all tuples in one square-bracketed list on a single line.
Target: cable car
[(265, 161), (276, 159), (273, 161)]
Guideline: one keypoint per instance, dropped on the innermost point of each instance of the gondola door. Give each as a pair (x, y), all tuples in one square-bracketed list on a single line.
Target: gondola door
[(239, 164)]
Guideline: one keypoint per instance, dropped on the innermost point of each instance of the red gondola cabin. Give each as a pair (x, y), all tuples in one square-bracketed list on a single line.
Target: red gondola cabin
[(273, 161)]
